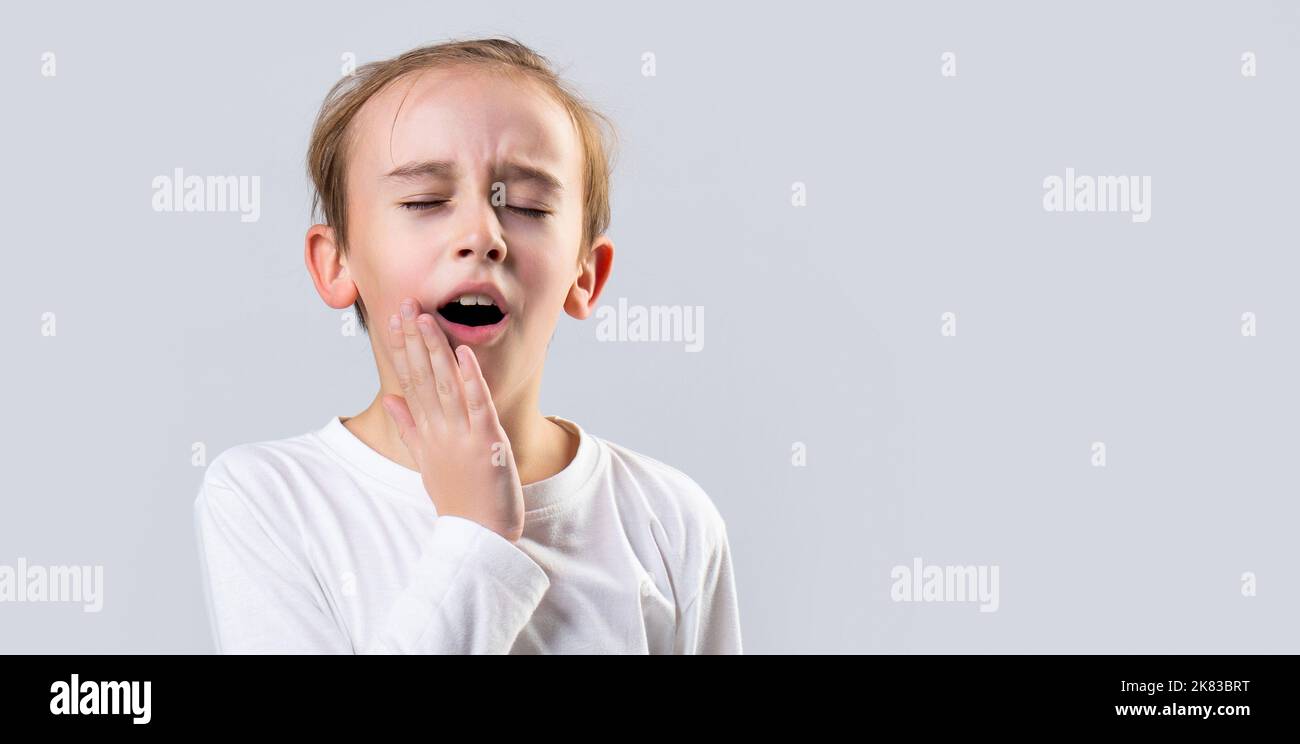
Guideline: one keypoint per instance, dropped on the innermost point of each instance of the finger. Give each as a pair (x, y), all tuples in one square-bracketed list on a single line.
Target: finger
[(478, 398), (447, 382), (417, 361), (401, 416), (397, 351)]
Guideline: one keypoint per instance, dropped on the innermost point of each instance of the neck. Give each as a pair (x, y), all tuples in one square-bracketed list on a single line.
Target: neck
[(541, 447)]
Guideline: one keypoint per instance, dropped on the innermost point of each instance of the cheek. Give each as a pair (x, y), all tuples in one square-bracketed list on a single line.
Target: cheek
[(394, 253), (385, 275), (546, 277)]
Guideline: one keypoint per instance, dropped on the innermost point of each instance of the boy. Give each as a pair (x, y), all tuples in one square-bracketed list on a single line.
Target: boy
[(465, 199)]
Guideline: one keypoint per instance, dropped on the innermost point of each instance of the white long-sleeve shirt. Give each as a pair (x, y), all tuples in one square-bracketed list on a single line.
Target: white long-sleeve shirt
[(319, 544)]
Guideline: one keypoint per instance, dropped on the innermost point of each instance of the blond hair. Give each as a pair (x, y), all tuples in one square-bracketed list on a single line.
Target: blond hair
[(330, 137)]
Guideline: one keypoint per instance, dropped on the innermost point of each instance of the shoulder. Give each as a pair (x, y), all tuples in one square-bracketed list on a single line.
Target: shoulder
[(246, 464), (686, 512), (258, 480)]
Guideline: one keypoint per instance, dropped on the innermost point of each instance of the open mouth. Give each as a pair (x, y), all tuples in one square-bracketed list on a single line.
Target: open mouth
[(472, 310)]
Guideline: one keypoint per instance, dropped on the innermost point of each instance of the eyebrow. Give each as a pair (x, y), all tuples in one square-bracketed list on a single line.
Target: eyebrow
[(521, 172), (418, 170), (512, 171)]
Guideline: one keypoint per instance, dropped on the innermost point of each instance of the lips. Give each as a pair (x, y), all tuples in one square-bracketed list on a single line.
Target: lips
[(486, 289), (458, 333), (474, 313)]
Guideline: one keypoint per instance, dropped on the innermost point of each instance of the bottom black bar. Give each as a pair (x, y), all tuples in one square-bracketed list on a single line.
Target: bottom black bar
[(922, 693)]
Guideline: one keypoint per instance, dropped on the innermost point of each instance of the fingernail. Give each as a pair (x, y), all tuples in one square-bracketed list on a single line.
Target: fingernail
[(394, 322), (408, 311)]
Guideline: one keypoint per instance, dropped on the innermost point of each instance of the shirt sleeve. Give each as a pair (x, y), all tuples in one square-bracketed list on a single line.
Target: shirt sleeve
[(710, 623), (471, 590)]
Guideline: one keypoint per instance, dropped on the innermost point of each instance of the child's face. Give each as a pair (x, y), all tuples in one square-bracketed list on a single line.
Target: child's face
[(463, 177)]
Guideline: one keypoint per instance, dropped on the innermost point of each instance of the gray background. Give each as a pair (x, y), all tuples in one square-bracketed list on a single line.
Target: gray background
[(821, 325)]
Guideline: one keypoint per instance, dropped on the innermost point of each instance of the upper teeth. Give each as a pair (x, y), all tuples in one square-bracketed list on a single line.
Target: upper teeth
[(472, 299)]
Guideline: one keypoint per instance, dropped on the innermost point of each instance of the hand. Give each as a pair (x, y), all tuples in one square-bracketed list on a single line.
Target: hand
[(449, 424)]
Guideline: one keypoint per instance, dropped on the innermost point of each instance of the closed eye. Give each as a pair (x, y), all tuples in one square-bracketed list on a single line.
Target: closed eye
[(535, 214), (422, 206)]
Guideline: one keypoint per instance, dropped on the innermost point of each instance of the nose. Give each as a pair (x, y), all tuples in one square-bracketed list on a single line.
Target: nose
[(476, 233)]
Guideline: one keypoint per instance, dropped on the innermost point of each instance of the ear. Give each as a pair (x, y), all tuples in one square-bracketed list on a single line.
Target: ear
[(328, 268), (592, 275)]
